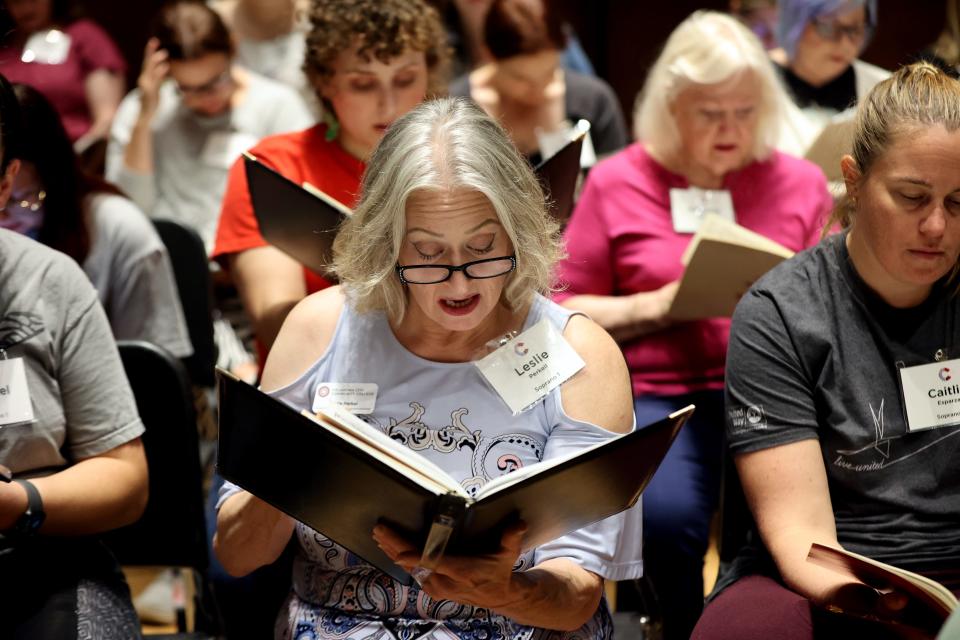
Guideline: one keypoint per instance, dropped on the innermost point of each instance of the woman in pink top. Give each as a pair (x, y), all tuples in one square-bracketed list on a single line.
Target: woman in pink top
[(72, 62), (709, 119)]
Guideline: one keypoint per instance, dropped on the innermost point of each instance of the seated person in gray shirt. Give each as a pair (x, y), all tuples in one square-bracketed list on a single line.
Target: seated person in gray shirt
[(193, 113), (70, 439), (89, 220), (843, 411)]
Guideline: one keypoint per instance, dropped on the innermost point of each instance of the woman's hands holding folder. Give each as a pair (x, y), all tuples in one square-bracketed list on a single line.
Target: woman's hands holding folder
[(556, 594), (482, 581)]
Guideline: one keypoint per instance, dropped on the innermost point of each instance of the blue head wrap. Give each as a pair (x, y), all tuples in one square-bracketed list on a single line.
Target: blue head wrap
[(794, 15)]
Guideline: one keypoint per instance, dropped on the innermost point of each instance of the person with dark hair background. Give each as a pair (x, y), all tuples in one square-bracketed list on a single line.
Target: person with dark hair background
[(193, 113), (71, 60), (464, 21), (71, 461), (526, 88), (54, 202)]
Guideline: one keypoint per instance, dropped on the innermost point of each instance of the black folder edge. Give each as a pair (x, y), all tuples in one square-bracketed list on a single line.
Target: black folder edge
[(225, 379), (316, 258), (231, 380), (560, 183)]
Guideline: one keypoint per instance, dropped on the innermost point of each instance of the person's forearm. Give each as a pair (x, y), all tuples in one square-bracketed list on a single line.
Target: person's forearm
[(96, 494), (104, 91), (250, 534), (138, 154), (624, 317), (556, 594), (270, 284), (789, 550), (268, 320)]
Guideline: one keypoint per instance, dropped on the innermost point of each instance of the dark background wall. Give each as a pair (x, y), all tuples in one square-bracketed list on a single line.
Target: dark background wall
[(622, 37)]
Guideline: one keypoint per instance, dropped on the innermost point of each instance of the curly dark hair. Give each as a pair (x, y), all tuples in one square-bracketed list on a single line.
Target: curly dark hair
[(384, 29)]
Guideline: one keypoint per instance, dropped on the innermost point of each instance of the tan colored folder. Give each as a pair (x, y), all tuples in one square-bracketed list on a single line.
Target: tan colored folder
[(723, 261)]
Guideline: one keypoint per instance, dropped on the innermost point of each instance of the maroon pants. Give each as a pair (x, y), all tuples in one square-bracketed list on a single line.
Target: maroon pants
[(759, 608)]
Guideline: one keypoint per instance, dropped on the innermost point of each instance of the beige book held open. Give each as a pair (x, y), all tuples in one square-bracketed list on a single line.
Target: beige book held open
[(722, 261), (929, 602)]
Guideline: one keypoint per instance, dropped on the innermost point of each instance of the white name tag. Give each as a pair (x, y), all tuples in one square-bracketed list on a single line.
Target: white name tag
[(15, 405), (688, 207), (355, 397), (530, 366), (224, 147), (931, 394), (46, 47)]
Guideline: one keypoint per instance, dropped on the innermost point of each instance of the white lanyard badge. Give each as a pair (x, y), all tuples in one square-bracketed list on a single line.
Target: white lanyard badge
[(931, 394), (527, 368), (688, 207), (15, 405)]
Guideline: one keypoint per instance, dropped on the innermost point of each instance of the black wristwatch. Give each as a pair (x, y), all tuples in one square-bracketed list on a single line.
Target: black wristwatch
[(29, 523)]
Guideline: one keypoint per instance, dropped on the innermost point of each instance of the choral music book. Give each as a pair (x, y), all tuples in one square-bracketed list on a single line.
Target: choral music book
[(722, 260), (559, 173), (341, 476), (300, 220), (929, 602)]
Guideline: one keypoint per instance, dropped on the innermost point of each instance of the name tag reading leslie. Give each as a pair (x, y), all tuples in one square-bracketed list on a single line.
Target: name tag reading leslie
[(931, 394), (530, 366), (15, 405)]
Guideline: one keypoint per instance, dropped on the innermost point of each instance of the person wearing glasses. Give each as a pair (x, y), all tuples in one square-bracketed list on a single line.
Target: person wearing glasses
[(54, 202), (820, 41), (448, 253), (72, 464), (193, 113), (365, 76), (708, 123)]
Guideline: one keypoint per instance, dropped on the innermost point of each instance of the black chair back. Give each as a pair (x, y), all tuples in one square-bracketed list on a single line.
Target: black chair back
[(172, 531), (192, 273)]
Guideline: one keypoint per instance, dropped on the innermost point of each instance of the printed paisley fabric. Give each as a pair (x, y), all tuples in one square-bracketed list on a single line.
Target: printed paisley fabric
[(338, 596)]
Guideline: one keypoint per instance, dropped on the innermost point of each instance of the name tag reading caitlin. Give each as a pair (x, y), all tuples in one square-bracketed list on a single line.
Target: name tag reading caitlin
[(931, 394)]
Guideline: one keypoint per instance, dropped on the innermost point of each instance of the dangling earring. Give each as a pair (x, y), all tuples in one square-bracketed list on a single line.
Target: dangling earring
[(333, 125)]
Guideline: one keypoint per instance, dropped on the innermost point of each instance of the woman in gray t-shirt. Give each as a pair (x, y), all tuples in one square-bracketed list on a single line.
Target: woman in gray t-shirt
[(843, 412), (69, 437)]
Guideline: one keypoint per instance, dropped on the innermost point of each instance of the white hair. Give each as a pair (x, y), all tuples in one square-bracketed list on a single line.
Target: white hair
[(443, 144), (707, 48)]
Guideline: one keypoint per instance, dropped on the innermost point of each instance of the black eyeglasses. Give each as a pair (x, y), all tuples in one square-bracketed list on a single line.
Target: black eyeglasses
[(834, 31), (436, 273), (212, 85)]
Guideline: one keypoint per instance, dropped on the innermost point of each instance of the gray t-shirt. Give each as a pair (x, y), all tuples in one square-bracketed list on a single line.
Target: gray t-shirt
[(192, 154), (814, 354), (130, 269), (50, 316)]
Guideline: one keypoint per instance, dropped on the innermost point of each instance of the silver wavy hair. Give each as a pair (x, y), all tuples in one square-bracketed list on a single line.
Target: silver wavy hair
[(443, 144)]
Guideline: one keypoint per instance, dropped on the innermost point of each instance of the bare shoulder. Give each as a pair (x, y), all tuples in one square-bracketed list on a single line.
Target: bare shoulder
[(600, 393), (304, 337)]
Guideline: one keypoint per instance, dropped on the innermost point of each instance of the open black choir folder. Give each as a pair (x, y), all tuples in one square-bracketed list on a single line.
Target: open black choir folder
[(301, 221), (558, 174), (341, 476)]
